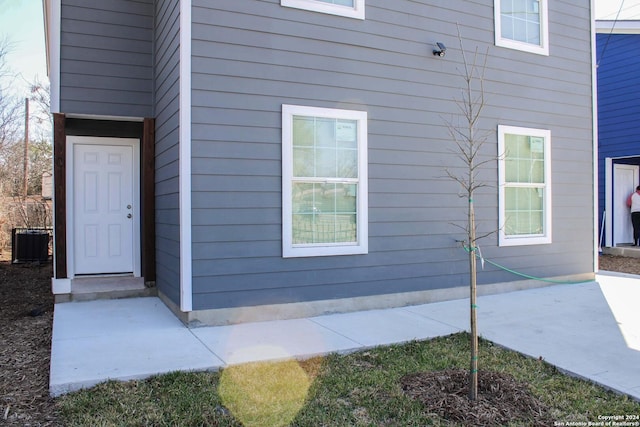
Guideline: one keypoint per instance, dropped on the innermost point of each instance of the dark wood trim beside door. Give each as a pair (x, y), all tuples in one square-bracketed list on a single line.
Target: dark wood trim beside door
[(145, 132), (60, 195), (148, 198)]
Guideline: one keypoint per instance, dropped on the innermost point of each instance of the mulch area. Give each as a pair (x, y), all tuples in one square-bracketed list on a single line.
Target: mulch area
[(501, 399), (26, 316), (620, 264)]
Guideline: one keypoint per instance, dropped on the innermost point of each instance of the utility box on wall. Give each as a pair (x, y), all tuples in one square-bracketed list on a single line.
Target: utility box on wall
[(29, 245)]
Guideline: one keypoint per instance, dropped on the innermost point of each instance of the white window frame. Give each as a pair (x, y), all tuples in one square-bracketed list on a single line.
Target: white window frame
[(289, 249), (542, 49), (533, 239), (334, 9)]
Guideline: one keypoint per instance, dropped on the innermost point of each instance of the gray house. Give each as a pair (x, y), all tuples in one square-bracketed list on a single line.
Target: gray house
[(262, 159)]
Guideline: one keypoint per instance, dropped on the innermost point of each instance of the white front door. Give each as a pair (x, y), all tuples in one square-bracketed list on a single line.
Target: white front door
[(103, 208), (625, 180)]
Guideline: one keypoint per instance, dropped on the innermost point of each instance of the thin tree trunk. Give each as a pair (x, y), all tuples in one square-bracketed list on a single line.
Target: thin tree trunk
[(473, 373)]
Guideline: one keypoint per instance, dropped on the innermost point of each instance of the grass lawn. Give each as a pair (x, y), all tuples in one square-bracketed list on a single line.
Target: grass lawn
[(357, 389)]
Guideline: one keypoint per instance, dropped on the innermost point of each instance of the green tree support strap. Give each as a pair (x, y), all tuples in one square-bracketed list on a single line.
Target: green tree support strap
[(517, 273)]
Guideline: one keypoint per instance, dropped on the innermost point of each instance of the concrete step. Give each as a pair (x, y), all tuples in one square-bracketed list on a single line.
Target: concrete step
[(623, 250), (106, 287)]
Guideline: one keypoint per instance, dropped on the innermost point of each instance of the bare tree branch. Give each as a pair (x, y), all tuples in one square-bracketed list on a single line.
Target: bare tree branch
[(468, 142)]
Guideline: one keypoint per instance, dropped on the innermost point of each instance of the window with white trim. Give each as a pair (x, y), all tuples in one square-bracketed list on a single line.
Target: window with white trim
[(522, 25), (348, 8), (324, 182), (524, 170)]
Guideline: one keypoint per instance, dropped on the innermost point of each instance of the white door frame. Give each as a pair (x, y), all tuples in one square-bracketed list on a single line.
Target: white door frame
[(134, 143), (608, 197)]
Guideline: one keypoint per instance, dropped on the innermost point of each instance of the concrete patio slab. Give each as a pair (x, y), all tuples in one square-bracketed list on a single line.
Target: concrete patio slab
[(381, 327), (589, 330), (120, 339), (275, 340)]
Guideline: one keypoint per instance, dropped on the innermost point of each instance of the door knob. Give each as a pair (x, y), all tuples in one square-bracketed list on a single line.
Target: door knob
[(128, 215)]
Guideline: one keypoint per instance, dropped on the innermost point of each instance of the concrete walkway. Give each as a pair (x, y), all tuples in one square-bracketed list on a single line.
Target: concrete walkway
[(591, 330)]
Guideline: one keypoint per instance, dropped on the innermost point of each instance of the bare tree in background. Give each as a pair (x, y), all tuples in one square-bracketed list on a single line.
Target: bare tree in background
[(468, 141), (40, 157), (16, 208), (41, 109), (10, 106)]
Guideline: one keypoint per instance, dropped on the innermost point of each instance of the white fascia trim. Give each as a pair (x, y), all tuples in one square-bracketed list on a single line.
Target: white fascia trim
[(594, 121), (608, 201), (52, 17), (186, 286), (617, 27), (104, 117)]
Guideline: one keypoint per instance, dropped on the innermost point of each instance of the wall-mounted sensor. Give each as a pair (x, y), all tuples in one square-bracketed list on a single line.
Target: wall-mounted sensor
[(440, 51)]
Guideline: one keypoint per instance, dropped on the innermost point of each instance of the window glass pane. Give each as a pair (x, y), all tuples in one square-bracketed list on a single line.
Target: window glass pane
[(510, 169), (524, 210), (340, 2), (346, 198), (325, 132), (537, 172), (303, 131), (303, 229), (347, 164), (347, 134), (325, 198), (520, 20), (523, 223), (303, 198), (347, 146), (533, 33), (507, 27), (303, 162), (304, 212), (326, 162), (324, 213), (346, 230), (520, 30), (524, 159), (325, 147), (518, 8), (506, 6)]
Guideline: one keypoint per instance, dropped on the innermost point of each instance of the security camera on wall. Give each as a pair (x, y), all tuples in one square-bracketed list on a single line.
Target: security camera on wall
[(440, 51)]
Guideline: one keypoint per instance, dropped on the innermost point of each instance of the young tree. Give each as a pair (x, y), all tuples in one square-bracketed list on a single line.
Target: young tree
[(468, 140)]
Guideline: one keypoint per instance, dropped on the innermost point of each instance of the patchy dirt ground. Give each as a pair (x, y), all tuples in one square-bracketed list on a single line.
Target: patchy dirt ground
[(620, 264), (26, 315)]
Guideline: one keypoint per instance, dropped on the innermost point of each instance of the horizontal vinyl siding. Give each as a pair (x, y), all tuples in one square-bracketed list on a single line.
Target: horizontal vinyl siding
[(167, 148), (618, 102), (618, 94), (251, 57), (106, 57)]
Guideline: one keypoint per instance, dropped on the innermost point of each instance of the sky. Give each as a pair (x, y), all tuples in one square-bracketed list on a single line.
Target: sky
[(608, 9), (22, 23)]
